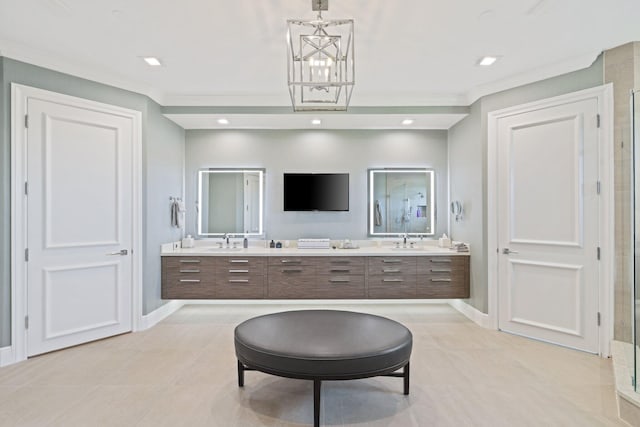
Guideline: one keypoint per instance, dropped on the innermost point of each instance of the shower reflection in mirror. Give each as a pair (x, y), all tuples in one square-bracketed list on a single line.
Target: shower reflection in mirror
[(401, 201)]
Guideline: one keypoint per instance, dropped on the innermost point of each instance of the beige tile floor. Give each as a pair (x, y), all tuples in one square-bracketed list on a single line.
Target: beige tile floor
[(183, 372)]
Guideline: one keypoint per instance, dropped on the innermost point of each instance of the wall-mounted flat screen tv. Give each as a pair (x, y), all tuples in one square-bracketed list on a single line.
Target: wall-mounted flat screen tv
[(316, 191)]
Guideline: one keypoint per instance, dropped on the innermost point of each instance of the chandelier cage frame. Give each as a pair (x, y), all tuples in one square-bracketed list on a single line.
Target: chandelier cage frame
[(320, 63)]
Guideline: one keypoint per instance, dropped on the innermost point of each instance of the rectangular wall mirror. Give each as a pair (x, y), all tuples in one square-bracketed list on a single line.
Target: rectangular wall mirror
[(230, 201), (401, 201)]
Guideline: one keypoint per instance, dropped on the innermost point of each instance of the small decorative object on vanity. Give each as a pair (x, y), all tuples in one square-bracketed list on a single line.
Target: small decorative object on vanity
[(188, 241)]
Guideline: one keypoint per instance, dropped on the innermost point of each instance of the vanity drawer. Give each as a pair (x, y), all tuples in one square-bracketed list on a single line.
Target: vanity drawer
[(443, 277), (240, 277), (291, 261), (240, 286), (341, 266), (254, 263), (396, 286), (318, 287), (391, 265), (442, 264), (187, 277)]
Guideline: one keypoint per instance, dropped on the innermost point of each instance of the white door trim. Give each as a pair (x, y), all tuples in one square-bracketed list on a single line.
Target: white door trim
[(604, 95), (19, 96)]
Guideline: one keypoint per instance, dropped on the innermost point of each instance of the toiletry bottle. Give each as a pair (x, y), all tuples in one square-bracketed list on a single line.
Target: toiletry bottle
[(245, 242), (272, 244)]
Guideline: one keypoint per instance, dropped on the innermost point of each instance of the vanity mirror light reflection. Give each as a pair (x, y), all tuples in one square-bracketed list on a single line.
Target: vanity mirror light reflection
[(230, 201), (401, 201)]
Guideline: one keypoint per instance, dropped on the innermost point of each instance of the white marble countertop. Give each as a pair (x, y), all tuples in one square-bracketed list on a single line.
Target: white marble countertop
[(210, 249)]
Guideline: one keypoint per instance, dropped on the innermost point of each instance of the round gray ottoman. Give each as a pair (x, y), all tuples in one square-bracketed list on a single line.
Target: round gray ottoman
[(323, 345)]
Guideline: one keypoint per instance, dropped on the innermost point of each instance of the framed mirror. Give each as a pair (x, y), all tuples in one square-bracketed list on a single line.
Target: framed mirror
[(401, 201), (230, 201)]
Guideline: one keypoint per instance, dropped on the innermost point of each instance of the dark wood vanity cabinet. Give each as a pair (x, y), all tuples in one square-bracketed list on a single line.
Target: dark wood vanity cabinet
[(188, 277), (315, 277), (341, 277), (391, 277), (240, 277), (443, 277), (291, 277)]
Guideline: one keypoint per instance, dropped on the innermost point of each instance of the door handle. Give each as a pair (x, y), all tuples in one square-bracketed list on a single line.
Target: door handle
[(120, 252), (508, 251)]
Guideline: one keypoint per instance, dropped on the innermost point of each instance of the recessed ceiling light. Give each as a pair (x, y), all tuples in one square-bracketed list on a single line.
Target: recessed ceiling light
[(487, 60), (316, 122), (152, 61), (223, 121), (407, 122)]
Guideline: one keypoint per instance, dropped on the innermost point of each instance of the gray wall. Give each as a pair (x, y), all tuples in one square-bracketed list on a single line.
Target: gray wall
[(163, 156), (316, 151), (468, 164), (163, 177)]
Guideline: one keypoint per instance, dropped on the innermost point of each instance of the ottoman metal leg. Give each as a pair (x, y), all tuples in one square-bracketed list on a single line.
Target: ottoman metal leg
[(240, 374), (316, 402), (406, 378)]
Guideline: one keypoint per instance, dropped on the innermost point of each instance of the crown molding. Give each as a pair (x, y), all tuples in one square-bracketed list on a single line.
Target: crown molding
[(532, 76), (24, 53)]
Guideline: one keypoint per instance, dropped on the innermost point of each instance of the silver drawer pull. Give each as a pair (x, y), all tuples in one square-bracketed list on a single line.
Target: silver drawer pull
[(335, 270), (188, 261), (290, 261), (239, 260), (238, 271), (239, 280), (392, 261), (392, 280), (291, 270), (391, 270), (435, 270), (339, 280), (440, 261), (190, 271), (190, 280), (440, 280)]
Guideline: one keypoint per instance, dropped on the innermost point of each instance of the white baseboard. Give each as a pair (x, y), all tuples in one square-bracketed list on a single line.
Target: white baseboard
[(7, 356), (471, 312), (159, 314)]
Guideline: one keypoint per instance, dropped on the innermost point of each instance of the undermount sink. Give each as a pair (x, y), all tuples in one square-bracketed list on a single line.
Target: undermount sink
[(223, 249)]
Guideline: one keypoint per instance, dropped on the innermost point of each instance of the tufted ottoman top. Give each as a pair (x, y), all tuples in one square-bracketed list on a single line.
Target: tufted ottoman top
[(326, 344)]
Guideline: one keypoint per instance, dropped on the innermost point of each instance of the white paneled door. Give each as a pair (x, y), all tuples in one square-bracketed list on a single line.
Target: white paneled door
[(548, 225), (79, 224)]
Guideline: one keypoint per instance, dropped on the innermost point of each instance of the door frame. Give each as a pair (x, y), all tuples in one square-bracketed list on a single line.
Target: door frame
[(20, 94), (604, 96)]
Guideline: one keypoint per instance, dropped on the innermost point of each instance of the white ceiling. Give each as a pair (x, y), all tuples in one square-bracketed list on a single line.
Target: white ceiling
[(233, 53)]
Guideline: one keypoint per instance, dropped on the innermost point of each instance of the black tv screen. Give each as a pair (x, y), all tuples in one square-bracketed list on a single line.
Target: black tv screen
[(316, 191)]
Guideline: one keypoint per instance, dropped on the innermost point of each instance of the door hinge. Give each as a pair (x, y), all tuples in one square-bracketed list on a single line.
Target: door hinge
[(598, 120), (598, 252), (598, 187), (26, 322), (599, 319), (26, 188), (26, 121), (26, 255)]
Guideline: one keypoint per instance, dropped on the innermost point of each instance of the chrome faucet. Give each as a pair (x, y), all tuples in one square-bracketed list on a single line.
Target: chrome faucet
[(226, 238), (404, 239)]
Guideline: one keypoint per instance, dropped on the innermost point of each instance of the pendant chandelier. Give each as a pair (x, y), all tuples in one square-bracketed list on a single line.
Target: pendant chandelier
[(320, 62)]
